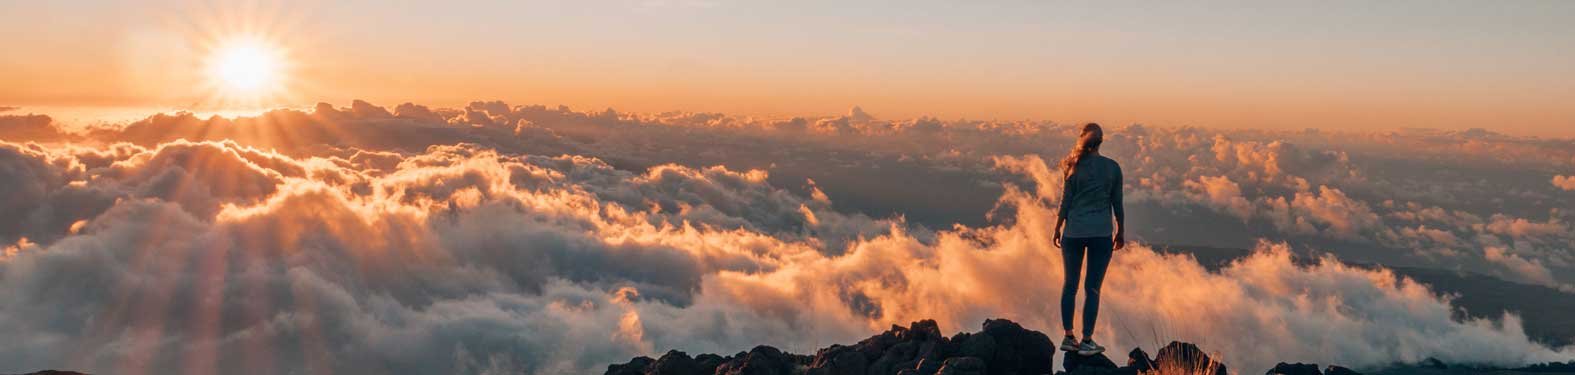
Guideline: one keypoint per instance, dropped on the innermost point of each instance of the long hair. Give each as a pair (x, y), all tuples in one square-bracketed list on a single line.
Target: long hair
[(1087, 143)]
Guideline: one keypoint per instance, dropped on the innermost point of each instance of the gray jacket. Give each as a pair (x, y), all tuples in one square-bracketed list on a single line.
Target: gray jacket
[(1091, 198)]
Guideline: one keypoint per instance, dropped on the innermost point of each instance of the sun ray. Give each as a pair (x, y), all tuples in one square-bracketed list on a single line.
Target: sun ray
[(244, 56)]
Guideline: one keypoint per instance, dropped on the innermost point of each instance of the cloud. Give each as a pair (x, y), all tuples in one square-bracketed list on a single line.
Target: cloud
[(462, 258), (31, 127), (1564, 182)]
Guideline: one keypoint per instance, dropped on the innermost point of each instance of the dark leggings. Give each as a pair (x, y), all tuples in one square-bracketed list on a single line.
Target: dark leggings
[(1072, 250)]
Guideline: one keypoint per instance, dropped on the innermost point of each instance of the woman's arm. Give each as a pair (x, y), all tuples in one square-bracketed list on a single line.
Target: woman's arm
[(1121, 213), (1060, 214)]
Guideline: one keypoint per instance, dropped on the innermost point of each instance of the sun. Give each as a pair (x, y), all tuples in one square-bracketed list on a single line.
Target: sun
[(244, 67), (246, 70)]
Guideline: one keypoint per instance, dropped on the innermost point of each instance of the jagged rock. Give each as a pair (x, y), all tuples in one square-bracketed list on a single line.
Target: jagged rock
[(674, 363), (1017, 350), (1139, 360), (709, 362), (929, 366), (762, 360), (1187, 357), (1294, 369), (962, 366), (839, 360), (1074, 362), (1337, 370), (900, 352), (636, 366), (1097, 364)]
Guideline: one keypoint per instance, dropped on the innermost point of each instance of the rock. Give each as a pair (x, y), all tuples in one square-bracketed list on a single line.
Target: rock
[(708, 363), (975, 345), (839, 360), (1074, 362), (924, 330), (1001, 347), (762, 360), (636, 366), (1018, 350), (1337, 370), (674, 363), (900, 352), (1294, 369), (1097, 364), (929, 366), (1180, 356), (1139, 360), (962, 366)]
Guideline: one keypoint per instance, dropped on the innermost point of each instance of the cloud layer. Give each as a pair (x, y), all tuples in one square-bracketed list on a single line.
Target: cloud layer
[(499, 239)]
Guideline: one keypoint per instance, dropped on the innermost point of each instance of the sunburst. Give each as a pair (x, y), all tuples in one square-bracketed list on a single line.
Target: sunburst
[(243, 58)]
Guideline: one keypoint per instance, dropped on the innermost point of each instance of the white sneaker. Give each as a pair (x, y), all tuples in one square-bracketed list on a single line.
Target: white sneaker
[(1069, 344), (1088, 347)]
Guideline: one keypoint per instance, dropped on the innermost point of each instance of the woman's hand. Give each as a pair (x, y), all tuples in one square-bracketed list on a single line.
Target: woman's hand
[(1121, 240), (1059, 222)]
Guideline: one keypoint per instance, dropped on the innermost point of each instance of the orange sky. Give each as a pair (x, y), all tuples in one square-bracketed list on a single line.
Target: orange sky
[(1347, 65)]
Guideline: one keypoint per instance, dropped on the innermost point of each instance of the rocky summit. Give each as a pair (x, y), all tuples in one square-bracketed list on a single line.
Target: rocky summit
[(1001, 347)]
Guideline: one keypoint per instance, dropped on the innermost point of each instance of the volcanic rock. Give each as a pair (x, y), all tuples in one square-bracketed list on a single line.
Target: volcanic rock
[(1337, 370), (1294, 369), (1139, 360)]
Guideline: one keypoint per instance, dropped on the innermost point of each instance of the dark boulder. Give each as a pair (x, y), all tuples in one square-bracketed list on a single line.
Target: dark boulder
[(636, 366), (709, 362), (1294, 369), (963, 366), (1337, 370), (1139, 360), (1097, 364), (762, 360), (675, 363), (1016, 350), (839, 360), (1074, 362), (1186, 357)]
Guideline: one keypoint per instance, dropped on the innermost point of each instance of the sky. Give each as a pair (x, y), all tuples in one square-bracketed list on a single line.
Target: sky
[(1505, 66), (392, 187)]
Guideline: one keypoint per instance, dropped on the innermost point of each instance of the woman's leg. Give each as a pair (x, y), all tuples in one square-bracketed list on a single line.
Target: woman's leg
[(1099, 252), (1072, 261)]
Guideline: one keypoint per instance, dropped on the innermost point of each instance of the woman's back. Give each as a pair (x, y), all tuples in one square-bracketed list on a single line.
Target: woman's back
[(1091, 194)]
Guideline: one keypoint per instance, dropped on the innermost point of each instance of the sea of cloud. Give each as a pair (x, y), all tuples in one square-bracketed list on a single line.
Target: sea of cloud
[(507, 239)]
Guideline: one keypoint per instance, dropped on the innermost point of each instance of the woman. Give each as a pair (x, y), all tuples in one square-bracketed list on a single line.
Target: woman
[(1091, 195)]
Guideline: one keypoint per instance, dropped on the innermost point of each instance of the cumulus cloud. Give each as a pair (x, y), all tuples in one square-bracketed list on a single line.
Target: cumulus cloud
[(544, 240), (210, 256), (1564, 182), (32, 127)]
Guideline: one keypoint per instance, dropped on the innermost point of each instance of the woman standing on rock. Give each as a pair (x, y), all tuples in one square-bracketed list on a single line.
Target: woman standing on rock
[(1091, 195)]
